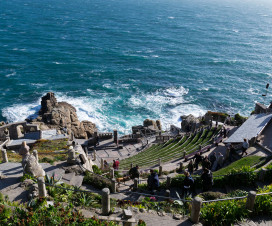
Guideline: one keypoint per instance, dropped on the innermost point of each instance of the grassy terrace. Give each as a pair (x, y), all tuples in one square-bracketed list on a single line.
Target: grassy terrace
[(46, 151), (246, 161), (172, 149)]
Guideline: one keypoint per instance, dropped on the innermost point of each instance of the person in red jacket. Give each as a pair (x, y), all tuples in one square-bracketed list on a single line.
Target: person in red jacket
[(115, 164)]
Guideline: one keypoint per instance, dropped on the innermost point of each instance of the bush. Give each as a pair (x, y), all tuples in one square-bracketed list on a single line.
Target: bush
[(42, 215), (210, 195), (237, 177), (239, 119), (263, 203), (96, 170), (224, 212), (96, 181)]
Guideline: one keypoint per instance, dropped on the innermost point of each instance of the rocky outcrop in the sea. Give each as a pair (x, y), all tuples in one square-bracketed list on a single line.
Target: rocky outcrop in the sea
[(62, 116), (189, 123), (156, 125)]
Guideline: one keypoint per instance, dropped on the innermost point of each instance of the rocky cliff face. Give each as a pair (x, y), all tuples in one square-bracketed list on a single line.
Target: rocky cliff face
[(189, 123), (61, 115)]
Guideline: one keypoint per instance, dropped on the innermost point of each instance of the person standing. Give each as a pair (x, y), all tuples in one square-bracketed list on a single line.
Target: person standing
[(153, 181), (191, 167), (198, 159), (245, 146), (220, 160), (115, 164), (207, 180), (188, 185), (231, 152), (212, 159)]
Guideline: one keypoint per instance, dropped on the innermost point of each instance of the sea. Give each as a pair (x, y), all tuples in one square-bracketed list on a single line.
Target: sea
[(122, 61)]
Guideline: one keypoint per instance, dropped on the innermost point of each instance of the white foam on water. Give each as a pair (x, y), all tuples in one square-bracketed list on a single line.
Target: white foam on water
[(167, 105), (10, 74), (19, 112), (164, 104)]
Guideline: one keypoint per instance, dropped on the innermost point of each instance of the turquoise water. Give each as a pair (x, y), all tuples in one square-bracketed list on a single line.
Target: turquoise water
[(119, 62)]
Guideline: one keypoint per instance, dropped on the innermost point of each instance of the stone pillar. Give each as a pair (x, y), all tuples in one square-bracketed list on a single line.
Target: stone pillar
[(167, 193), (112, 173), (168, 182), (115, 136), (105, 201), (160, 170), (181, 166), (4, 155), (94, 155), (195, 212), (72, 154), (136, 183), (42, 188), (159, 161), (250, 200), (113, 185), (102, 163), (35, 153)]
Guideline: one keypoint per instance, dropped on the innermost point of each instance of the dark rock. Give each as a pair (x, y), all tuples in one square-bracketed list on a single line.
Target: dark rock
[(62, 116)]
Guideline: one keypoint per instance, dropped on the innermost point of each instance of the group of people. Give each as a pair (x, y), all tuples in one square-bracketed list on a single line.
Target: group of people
[(188, 186), (152, 181), (115, 164)]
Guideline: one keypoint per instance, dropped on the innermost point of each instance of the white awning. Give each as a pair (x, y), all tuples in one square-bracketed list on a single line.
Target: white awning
[(252, 127)]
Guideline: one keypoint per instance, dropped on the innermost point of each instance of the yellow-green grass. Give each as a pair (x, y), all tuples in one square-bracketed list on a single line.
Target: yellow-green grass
[(246, 161)]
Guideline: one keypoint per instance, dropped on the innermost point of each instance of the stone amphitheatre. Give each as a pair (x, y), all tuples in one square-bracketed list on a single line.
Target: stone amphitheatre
[(57, 150)]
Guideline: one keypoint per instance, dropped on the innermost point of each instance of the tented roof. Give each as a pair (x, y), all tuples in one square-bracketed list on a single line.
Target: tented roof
[(250, 128)]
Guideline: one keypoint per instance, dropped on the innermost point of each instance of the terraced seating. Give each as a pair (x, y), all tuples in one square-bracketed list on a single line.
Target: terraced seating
[(172, 149)]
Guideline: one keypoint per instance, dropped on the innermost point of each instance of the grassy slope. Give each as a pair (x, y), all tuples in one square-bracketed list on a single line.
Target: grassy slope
[(45, 150), (246, 161)]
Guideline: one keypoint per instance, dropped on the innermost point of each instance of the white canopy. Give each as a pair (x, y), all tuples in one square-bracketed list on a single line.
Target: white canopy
[(252, 127)]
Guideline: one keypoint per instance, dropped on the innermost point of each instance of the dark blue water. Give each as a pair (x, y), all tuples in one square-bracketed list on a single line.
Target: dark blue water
[(119, 62)]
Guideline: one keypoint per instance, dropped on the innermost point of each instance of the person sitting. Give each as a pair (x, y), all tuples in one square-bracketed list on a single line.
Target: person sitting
[(115, 164), (207, 180), (153, 181), (134, 172), (188, 185)]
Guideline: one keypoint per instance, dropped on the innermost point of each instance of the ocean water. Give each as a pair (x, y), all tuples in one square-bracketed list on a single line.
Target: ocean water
[(120, 62)]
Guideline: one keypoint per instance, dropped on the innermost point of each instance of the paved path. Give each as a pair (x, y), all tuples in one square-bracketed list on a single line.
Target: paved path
[(11, 185)]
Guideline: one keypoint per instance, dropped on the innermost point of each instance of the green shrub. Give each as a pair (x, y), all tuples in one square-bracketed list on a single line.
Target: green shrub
[(96, 181), (210, 195), (96, 170), (263, 203), (223, 212), (43, 215), (239, 119)]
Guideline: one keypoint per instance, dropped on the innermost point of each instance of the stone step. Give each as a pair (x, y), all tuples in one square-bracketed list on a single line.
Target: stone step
[(77, 180), (73, 179), (68, 177)]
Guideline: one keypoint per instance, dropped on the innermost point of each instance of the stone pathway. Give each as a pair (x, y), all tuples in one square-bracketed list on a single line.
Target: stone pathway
[(14, 171)]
